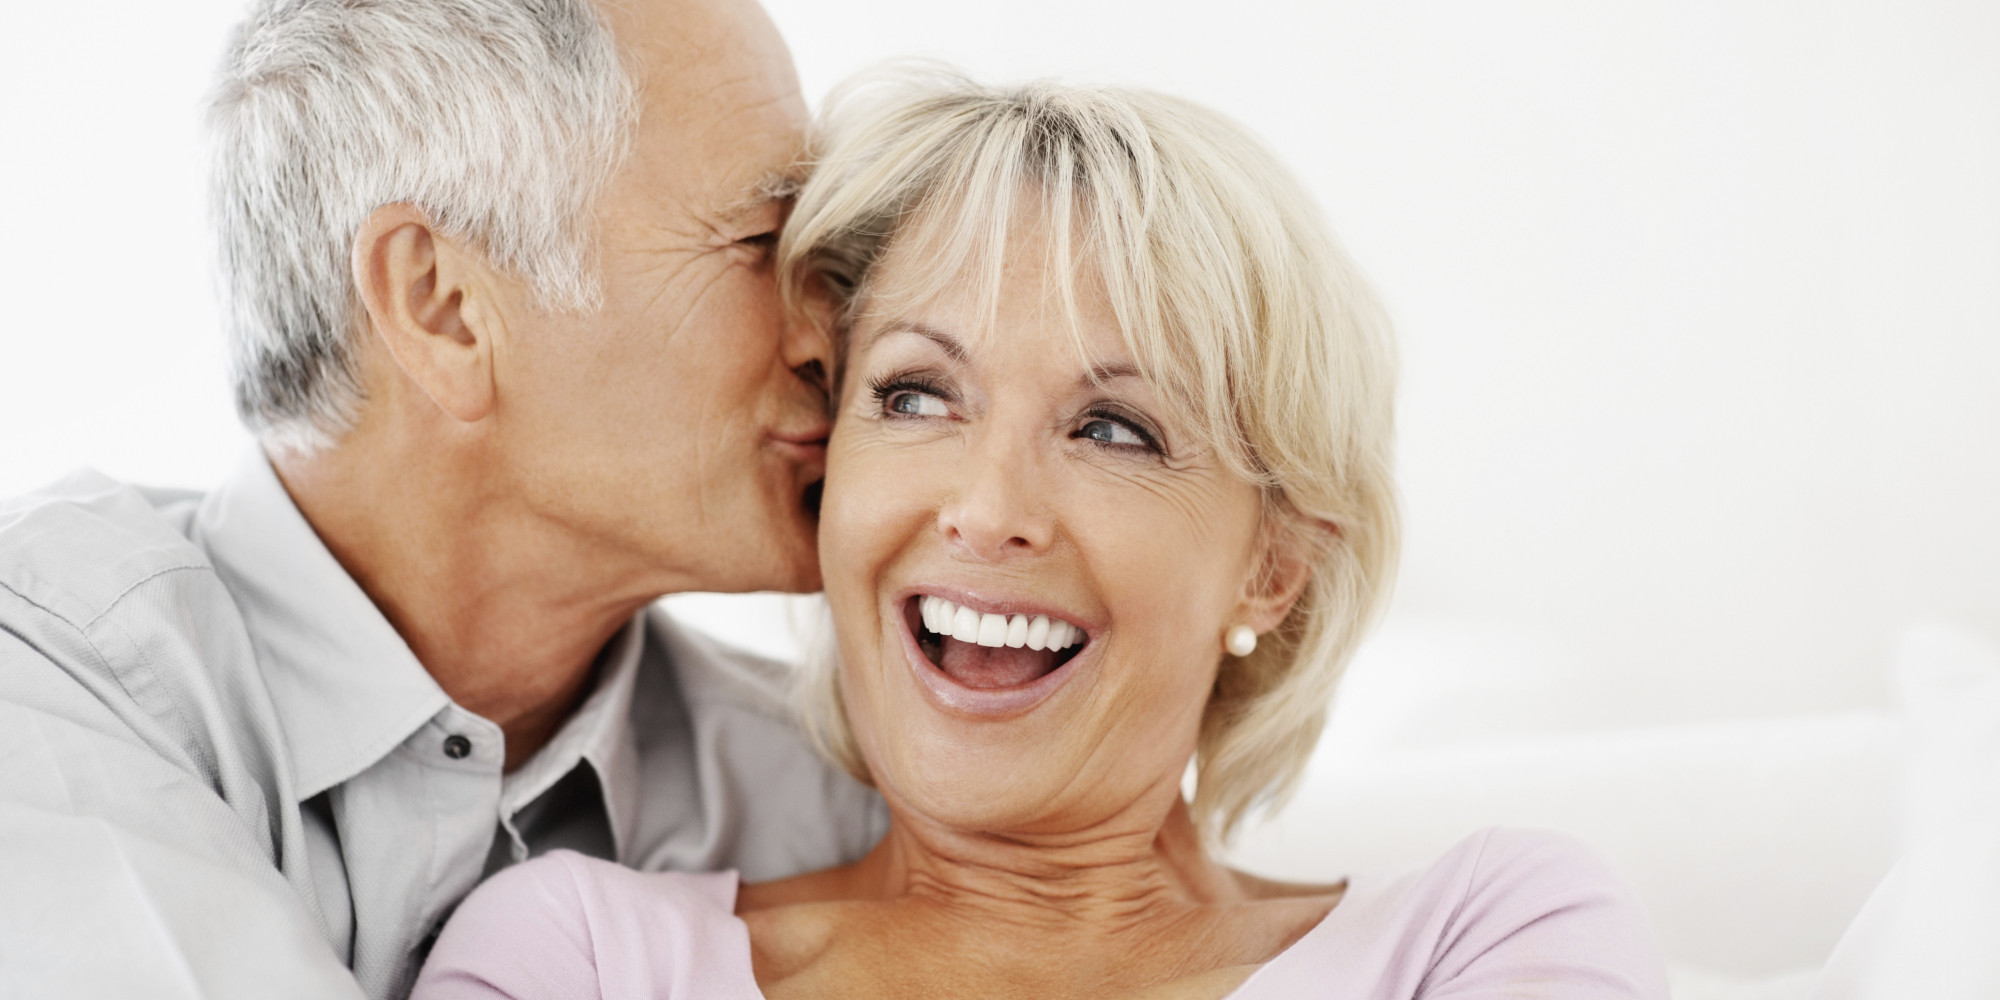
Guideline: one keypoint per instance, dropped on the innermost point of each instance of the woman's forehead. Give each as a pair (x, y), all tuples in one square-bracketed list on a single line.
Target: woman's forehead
[(955, 322), (972, 279)]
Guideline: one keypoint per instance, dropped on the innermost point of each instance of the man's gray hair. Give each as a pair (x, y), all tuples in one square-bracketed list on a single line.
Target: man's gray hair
[(500, 120)]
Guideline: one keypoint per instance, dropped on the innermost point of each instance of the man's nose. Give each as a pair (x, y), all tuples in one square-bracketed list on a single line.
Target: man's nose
[(999, 508), (806, 344)]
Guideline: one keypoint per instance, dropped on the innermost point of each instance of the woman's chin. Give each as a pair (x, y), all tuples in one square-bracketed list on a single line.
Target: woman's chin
[(990, 789)]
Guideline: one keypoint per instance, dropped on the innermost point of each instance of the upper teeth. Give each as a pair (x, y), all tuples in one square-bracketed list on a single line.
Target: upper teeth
[(966, 625)]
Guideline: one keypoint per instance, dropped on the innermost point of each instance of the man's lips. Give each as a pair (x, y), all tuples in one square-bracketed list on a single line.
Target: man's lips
[(804, 453), (806, 450), (813, 433), (806, 446)]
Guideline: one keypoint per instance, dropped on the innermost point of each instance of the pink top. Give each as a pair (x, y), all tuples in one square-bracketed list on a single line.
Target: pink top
[(1505, 913)]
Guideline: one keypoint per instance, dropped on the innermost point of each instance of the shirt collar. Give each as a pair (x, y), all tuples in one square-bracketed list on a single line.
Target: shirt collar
[(600, 731), (346, 687)]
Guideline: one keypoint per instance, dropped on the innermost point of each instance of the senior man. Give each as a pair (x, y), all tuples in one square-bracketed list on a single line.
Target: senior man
[(503, 315)]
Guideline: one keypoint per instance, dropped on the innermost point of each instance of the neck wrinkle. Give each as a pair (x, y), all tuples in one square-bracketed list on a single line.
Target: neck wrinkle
[(1122, 874)]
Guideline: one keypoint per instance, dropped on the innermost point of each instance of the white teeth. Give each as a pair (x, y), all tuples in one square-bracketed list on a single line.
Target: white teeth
[(965, 625), (942, 617), (1038, 633), (993, 630)]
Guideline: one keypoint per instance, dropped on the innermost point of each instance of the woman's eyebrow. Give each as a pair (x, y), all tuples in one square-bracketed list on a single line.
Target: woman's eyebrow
[(950, 345), (1100, 374)]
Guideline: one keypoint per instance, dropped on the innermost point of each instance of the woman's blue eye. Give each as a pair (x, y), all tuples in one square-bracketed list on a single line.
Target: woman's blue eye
[(916, 404), (1112, 432)]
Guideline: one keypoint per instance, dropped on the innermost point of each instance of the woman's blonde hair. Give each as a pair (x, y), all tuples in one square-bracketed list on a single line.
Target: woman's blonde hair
[(1232, 297)]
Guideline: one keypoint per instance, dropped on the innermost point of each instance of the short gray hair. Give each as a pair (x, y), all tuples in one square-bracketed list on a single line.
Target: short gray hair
[(500, 120)]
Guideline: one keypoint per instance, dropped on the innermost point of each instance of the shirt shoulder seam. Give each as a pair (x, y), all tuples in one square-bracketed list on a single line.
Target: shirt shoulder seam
[(113, 603), (102, 663)]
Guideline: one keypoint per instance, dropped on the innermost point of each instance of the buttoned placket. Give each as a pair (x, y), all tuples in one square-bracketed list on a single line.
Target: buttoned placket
[(597, 736), (446, 776)]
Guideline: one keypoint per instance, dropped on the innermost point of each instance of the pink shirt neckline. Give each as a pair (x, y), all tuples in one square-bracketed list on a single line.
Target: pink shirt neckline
[(723, 888), (1501, 912)]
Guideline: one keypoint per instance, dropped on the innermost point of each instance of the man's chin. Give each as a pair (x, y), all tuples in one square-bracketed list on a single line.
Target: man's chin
[(772, 544), (806, 576), (794, 559)]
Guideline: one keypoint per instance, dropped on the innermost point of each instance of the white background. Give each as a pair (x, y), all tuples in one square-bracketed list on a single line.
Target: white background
[(1698, 300), (1700, 311)]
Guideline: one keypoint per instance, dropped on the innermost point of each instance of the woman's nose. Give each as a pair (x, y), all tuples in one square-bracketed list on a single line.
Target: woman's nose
[(999, 509)]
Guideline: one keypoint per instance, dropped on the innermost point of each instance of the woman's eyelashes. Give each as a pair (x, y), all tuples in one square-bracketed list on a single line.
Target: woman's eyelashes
[(910, 396), (923, 396), (1115, 429)]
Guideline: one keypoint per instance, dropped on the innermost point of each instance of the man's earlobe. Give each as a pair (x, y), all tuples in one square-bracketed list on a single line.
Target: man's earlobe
[(418, 290)]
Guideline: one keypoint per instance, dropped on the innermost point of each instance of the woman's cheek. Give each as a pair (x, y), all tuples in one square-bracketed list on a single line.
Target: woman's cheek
[(1170, 599), (859, 498)]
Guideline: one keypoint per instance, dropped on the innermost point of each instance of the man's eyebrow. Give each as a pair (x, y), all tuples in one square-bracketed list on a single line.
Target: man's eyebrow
[(776, 187), (781, 185), (950, 345)]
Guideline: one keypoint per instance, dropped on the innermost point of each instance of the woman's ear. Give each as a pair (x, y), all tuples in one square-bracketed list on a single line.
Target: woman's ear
[(424, 296), (1284, 566)]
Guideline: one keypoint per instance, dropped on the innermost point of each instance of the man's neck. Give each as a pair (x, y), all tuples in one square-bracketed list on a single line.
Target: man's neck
[(506, 610)]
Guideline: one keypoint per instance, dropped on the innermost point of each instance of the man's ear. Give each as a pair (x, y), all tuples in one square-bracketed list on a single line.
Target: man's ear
[(1283, 568), (425, 300)]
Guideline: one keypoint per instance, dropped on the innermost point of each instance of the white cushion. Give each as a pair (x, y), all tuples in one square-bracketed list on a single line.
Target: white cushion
[(1933, 929)]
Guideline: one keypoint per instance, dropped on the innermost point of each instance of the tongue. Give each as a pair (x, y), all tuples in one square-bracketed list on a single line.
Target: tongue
[(989, 667)]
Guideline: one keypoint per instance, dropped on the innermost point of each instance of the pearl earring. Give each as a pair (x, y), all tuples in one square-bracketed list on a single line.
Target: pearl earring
[(1240, 641)]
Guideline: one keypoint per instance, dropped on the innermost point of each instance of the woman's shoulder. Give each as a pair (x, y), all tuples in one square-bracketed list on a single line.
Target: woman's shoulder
[(564, 924), (1527, 869), (1501, 910), (1508, 906)]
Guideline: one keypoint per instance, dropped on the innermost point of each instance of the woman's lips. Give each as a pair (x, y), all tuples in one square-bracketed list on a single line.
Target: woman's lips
[(970, 679)]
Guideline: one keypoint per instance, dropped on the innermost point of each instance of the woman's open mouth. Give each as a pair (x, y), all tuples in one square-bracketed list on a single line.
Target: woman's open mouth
[(990, 652)]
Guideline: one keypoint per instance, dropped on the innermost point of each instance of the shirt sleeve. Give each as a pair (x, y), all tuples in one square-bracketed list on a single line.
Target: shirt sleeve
[(1543, 916), (121, 874)]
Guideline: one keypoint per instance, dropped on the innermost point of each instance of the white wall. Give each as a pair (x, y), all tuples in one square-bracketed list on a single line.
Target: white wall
[(109, 350), (1698, 300)]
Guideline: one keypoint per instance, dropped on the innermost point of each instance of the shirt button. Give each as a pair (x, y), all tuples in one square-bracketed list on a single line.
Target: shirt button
[(456, 746)]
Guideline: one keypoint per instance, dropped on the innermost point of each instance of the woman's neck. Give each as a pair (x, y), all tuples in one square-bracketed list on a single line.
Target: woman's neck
[(1144, 862), (1113, 910)]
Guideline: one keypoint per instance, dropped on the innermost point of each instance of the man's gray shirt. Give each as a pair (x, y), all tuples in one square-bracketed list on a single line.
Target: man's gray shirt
[(223, 773)]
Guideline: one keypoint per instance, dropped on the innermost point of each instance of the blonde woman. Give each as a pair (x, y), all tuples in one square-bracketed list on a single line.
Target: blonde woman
[(1108, 491)]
